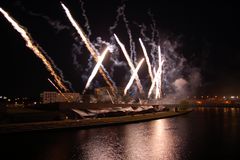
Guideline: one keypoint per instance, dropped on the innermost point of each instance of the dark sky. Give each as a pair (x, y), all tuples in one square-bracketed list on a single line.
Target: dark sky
[(209, 33)]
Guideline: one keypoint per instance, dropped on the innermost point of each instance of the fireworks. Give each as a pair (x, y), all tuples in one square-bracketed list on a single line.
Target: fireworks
[(90, 47), (147, 59), (130, 64), (31, 44), (155, 70), (134, 74), (155, 80), (94, 72), (58, 90)]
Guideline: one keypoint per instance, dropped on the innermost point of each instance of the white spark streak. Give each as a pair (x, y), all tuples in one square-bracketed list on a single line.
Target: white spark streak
[(129, 63), (97, 66), (157, 84), (133, 76), (160, 64), (89, 46), (159, 71), (58, 90), (147, 59)]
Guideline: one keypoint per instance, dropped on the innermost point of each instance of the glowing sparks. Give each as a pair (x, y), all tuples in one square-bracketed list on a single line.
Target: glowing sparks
[(147, 59), (31, 44), (159, 81), (156, 76), (58, 90), (159, 72), (97, 66), (89, 46), (133, 76), (80, 32), (129, 63), (157, 84), (110, 97)]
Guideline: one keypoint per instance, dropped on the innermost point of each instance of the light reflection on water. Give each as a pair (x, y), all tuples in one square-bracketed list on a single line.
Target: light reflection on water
[(157, 139), (206, 133)]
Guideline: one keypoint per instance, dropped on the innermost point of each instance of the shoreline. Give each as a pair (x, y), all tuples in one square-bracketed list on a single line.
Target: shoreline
[(87, 122)]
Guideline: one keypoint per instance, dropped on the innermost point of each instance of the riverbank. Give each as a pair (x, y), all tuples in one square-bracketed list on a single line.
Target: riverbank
[(87, 122)]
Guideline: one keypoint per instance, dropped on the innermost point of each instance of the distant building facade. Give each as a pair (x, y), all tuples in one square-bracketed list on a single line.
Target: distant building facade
[(53, 97), (104, 94)]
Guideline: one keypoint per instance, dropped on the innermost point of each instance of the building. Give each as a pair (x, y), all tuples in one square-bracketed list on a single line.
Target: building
[(104, 94), (53, 97)]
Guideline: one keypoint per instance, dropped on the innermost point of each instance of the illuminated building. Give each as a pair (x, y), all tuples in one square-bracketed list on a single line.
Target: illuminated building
[(104, 94), (53, 97)]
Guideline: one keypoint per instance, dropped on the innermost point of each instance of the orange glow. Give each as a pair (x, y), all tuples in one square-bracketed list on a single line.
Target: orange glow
[(35, 48), (58, 90), (199, 102), (227, 102)]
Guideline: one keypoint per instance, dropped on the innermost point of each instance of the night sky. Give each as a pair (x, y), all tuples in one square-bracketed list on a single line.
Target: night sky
[(208, 34)]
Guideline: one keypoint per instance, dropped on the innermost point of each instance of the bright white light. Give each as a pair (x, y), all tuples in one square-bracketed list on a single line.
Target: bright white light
[(95, 70), (147, 59), (89, 46), (139, 85), (133, 76)]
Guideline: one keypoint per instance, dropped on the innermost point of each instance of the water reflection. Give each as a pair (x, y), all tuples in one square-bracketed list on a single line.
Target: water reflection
[(206, 133), (157, 139)]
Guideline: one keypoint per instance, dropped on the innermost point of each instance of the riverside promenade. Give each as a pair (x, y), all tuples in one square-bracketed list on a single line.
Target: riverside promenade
[(87, 122)]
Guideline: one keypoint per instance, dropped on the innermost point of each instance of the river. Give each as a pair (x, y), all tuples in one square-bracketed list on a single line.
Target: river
[(205, 133)]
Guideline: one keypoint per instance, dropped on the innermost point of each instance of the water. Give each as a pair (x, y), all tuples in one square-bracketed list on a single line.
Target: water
[(205, 133)]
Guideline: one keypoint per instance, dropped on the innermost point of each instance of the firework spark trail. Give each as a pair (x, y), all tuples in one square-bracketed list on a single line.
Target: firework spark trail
[(155, 33), (157, 84), (54, 23), (159, 77), (88, 44), (160, 63), (58, 90), (76, 51), (90, 47), (132, 44), (110, 97), (120, 13), (95, 70), (147, 59), (149, 41), (55, 66), (86, 19), (143, 29), (111, 28), (129, 63), (30, 44), (133, 76), (159, 72), (153, 52), (153, 26)]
